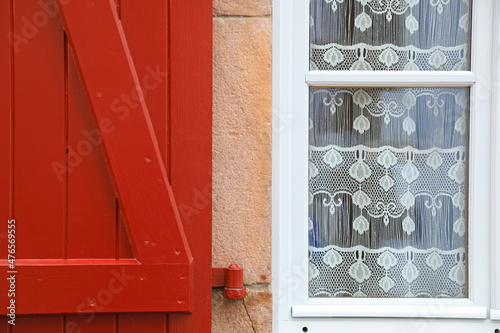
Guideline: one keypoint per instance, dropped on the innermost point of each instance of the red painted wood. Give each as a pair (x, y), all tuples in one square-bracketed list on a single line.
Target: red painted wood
[(39, 136), (83, 285), (91, 323), (5, 122), (39, 324), (5, 130), (129, 142), (124, 247), (39, 142), (186, 131), (191, 146), (91, 199), (219, 276), (142, 322), (92, 226), (146, 30)]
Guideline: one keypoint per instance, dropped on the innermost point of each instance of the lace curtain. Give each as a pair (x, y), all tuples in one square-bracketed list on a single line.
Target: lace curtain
[(388, 167), (389, 35), (388, 192)]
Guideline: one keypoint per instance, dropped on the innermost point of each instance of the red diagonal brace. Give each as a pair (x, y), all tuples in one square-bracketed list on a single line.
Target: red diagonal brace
[(231, 279), (129, 143)]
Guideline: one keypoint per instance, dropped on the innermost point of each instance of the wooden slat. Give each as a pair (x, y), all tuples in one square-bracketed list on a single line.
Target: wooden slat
[(91, 231), (191, 145), (38, 323), (86, 285), (39, 142), (131, 149), (91, 323), (5, 327), (91, 199), (142, 322), (5, 128), (146, 30), (5, 121), (39, 194), (124, 250)]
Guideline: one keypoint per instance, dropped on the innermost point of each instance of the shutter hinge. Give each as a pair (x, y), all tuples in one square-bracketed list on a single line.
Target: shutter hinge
[(231, 279)]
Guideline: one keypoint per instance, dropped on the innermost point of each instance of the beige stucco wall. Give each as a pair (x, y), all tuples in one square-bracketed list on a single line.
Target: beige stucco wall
[(242, 160)]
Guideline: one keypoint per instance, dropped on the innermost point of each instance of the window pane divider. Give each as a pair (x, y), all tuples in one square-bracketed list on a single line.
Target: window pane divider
[(377, 79)]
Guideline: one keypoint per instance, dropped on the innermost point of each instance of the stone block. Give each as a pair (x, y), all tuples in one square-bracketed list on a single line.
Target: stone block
[(242, 146)]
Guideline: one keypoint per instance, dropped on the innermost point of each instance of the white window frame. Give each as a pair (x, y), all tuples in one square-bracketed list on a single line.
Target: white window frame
[(495, 153), (291, 82)]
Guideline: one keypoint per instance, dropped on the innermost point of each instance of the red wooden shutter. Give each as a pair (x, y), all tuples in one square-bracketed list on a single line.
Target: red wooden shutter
[(145, 70)]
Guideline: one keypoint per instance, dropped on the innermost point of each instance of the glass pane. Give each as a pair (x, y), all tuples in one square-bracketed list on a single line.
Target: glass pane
[(388, 192), (414, 35)]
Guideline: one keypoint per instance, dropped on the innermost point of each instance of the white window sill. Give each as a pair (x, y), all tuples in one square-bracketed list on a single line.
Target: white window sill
[(494, 314), (391, 308)]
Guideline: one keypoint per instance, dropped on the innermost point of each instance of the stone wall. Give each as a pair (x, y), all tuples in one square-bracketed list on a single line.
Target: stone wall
[(242, 160)]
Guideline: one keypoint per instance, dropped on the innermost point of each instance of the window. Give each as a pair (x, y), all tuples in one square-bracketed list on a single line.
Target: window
[(382, 164)]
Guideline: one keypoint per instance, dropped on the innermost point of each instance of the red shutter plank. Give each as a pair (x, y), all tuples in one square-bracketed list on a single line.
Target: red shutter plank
[(130, 145), (143, 322), (39, 194), (5, 122), (5, 129), (191, 146), (39, 142), (145, 26), (90, 323), (91, 200), (124, 247), (92, 226), (36, 323)]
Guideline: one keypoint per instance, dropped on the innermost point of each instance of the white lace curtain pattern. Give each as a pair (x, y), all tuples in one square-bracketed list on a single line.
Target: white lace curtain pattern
[(362, 272), (416, 35), (388, 192)]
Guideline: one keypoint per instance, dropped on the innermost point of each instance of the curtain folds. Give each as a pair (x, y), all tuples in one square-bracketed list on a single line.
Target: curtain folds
[(411, 35), (388, 192)]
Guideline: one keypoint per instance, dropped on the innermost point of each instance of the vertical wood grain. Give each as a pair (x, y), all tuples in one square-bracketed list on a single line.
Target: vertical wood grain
[(145, 28), (124, 247), (91, 199), (6, 109), (91, 323), (191, 146), (39, 143), (142, 322), (53, 203), (39, 323), (91, 230), (92, 208), (6, 58), (131, 149)]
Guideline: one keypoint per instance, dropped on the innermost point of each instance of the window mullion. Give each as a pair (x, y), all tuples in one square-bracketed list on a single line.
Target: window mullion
[(390, 79)]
